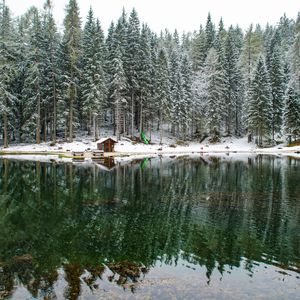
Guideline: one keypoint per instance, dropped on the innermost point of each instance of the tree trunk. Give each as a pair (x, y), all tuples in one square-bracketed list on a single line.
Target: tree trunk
[(249, 63), (45, 126), (71, 122), (5, 125), (117, 120), (54, 109), (38, 121), (161, 128), (124, 122), (141, 117), (132, 113), (94, 126), (71, 113), (237, 129)]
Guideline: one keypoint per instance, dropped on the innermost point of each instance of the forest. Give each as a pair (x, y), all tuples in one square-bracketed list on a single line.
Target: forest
[(56, 84)]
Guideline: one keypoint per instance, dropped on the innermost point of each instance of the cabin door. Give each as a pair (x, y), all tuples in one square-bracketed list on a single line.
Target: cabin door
[(107, 146)]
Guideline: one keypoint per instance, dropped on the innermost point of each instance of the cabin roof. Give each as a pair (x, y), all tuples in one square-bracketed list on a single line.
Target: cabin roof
[(105, 139)]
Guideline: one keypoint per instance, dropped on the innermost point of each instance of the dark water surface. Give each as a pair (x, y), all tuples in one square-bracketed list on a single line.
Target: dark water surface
[(184, 228)]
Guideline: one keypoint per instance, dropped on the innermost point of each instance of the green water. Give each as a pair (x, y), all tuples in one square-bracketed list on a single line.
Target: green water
[(203, 228)]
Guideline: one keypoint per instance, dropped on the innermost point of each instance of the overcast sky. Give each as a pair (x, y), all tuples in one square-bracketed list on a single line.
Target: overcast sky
[(185, 15)]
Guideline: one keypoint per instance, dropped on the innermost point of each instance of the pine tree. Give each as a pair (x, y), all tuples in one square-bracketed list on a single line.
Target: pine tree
[(118, 88), (187, 100), (163, 90), (252, 49), (145, 75), (292, 113), (110, 45), (6, 70), (221, 36), (21, 39), (295, 62), (297, 25), (286, 29), (117, 39), (153, 108), (32, 92), (93, 84), (175, 90), (214, 94), (259, 115), (71, 52), (276, 76), (132, 65), (198, 50), (234, 88), (88, 88), (50, 89), (210, 34)]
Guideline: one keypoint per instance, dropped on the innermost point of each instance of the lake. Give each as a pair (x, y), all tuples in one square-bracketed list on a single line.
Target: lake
[(160, 228)]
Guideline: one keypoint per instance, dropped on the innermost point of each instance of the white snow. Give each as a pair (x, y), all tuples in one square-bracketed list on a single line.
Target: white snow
[(132, 149)]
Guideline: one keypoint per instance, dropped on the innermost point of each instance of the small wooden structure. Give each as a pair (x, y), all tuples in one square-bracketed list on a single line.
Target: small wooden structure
[(78, 155), (97, 154), (106, 144)]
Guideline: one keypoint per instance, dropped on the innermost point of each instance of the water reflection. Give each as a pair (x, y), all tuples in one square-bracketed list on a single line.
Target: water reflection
[(66, 227)]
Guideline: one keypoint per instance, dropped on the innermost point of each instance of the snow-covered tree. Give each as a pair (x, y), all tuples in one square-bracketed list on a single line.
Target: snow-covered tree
[(134, 79), (175, 87), (252, 49), (198, 50), (214, 94), (259, 115), (292, 113), (6, 70), (71, 53), (276, 75), (187, 96), (132, 64), (163, 90), (118, 89), (32, 91), (145, 76), (93, 87), (234, 87), (210, 34), (295, 61), (50, 54)]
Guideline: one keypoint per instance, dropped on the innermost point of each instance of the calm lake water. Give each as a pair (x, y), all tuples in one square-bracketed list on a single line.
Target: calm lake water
[(171, 228)]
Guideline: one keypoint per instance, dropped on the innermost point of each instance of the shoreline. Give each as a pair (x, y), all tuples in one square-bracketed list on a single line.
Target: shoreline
[(120, 154), (125, 148)]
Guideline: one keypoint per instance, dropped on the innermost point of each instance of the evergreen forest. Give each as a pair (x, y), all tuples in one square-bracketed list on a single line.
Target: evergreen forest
[(219, 80)]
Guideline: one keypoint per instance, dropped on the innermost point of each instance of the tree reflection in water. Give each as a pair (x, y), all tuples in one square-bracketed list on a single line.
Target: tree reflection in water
[(89, 224)]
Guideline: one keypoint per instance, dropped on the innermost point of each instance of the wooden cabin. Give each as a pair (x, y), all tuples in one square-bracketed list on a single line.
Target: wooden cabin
[(106, 144)]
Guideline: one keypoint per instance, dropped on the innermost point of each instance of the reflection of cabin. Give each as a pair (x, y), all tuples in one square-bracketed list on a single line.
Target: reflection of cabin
[(106, 144), (107, 164)]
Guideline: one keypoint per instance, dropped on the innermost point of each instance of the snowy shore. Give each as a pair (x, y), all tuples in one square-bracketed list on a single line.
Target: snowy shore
[(46, 152)]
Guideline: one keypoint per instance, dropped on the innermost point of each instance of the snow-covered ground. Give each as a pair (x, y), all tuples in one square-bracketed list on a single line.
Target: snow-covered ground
[(126, 147)]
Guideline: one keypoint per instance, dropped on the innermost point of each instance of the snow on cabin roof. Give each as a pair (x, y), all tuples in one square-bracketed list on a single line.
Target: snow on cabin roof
[(104, 139)]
